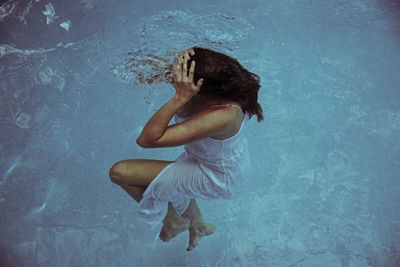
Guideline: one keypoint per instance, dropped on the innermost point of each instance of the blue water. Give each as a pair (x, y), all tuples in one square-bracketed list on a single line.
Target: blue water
[(326, 180)]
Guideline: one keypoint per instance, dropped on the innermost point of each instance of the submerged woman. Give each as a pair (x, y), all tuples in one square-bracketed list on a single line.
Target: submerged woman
[(213, 95)]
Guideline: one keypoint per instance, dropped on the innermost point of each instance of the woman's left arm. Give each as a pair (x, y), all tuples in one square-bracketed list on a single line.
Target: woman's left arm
[(157, 125), (185, 89)]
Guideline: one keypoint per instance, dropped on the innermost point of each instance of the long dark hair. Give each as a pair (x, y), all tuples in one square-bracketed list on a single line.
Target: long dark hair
[(225, 77)]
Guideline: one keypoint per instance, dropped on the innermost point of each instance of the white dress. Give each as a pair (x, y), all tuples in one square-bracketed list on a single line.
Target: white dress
[(208, 169)]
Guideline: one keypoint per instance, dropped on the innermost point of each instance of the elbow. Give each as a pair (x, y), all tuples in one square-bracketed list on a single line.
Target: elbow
[(142, 143)]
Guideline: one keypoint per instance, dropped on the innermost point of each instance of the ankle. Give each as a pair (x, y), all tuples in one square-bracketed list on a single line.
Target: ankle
[(176, 221), (197, 221)]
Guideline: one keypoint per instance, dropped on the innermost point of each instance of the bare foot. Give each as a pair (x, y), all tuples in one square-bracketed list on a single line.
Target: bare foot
[(197, 231), (171, 229)]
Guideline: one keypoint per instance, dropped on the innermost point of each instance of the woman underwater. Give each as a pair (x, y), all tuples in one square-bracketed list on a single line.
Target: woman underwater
[(213, 95)]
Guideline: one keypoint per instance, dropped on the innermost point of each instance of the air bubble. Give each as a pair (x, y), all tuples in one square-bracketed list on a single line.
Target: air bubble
[(46, 75), (23, 120)]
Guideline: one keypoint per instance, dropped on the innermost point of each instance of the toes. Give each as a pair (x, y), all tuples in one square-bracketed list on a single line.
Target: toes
[(193, 243), (194, 238), (197, 232)]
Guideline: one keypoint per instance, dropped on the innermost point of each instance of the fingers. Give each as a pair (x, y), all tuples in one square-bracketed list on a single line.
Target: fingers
[(183, 56), (178, 70), (199, 83), (182, 74), (180, 58), (186, 55), (184, 70), (191, 71)]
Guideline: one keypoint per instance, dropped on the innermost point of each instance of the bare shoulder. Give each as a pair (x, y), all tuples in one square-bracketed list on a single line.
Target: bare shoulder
[(229, 117), (224, 113)]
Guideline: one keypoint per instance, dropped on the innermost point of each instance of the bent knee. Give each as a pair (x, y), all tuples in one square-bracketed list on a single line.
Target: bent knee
[(136, 171), (116, 171)]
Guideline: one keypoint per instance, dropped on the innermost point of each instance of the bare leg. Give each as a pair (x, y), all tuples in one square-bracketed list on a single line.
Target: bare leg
[(198, 227), (135, 191), (134, 175), (173, 224)]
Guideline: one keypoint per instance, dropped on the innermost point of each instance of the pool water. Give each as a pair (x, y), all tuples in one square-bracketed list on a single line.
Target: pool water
[(324, 190)]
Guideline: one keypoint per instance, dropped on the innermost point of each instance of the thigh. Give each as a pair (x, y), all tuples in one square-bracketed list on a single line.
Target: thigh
[(137, 171)]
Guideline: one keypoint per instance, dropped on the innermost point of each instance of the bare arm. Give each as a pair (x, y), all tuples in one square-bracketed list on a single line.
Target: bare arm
[(205, 124), (157, 126)]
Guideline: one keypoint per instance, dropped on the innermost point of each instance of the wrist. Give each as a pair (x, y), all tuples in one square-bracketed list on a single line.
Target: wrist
[(181, 99)]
